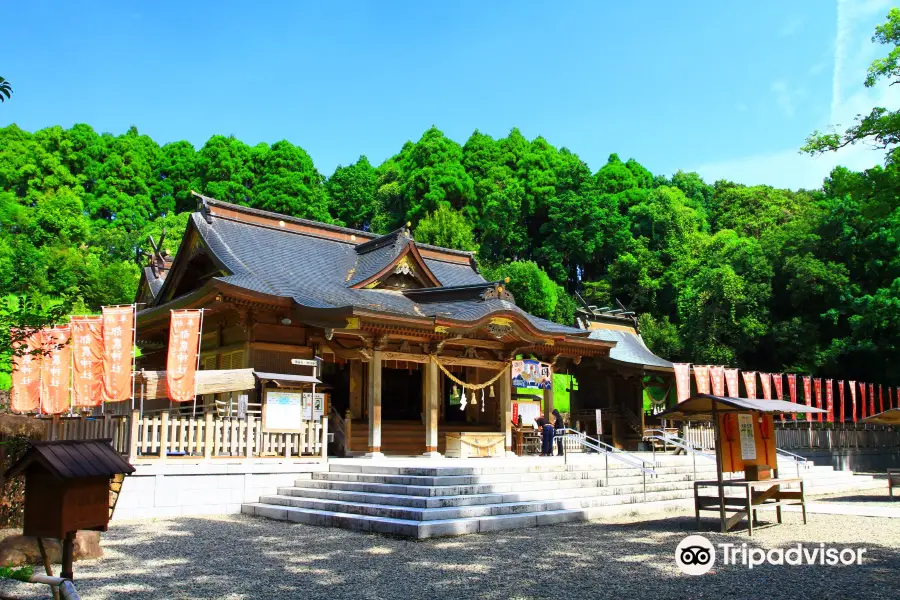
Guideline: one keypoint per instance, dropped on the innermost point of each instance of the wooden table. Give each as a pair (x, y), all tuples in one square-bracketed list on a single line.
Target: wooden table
[(756, 494)]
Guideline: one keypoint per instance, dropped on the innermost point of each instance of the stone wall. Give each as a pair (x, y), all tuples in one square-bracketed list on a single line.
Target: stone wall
[(172, 489), (863, 460)]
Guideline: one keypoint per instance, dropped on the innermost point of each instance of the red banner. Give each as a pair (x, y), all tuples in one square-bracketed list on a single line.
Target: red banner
[(87, 362), (682, 381), (118, 336), (871, 399), (853, 400), (843, 408), (184, 347), (892, 396), (807, 394), (750, 383), (779, 390), (701, 374), (792, 389), (880, 399), (26, 375), (829, 400), (765, 381), (862, 400), (717, 377), (817, 383), (56, 370), (731, 380)]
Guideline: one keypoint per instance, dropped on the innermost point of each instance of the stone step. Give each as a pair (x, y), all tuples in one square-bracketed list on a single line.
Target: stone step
[(451, 490), (666, 473), (469, 511), (452, 527), (474, 499)]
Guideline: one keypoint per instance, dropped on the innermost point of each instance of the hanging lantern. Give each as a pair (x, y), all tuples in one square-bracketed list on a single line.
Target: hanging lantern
[(462, 402), (492, 391)]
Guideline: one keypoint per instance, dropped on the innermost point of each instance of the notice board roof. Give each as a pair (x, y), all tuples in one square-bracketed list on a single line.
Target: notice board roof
[(700, 407), (286, 378), (888, 417), (71, 459)]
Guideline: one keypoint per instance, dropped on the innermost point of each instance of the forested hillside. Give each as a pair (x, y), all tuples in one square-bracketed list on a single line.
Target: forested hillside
[(722, 273)]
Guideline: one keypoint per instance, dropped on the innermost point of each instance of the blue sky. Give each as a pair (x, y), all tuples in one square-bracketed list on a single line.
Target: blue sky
[(730, 90)]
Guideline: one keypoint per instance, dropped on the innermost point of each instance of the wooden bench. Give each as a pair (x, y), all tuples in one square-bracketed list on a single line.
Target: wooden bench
[(754, 495), (893, 480)]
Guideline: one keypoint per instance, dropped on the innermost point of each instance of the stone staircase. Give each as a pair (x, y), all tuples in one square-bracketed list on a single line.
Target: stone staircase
[(423, 498)]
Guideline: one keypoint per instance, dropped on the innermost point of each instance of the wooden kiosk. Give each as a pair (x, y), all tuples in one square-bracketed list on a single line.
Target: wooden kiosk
[(745, 442)]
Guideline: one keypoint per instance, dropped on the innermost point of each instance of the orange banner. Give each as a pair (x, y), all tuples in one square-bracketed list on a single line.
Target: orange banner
[(750, 383), (701, 374), (682, 381), (184, 347), (26, 376), (118, 333), (87, 363), (56, 370)]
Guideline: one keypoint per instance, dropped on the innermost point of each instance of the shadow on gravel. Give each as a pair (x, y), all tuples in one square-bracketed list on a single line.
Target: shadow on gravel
[(244, 558)]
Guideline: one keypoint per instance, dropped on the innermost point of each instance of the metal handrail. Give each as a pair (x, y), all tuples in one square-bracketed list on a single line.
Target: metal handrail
[(620, 455), (658, 434), (607, 451), (796, 458)]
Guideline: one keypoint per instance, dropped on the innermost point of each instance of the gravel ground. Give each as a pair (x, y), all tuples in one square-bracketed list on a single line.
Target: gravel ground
[(239, 557), (875, 497)]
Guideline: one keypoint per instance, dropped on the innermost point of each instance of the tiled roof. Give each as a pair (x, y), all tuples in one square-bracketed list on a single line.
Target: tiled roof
[(317, 271), (630, 348), (72, 459)]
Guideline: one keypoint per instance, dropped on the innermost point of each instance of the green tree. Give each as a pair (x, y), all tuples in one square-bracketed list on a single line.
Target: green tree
[(290, 184), (881, 126), (351, 194), (5, 90), (446, 228)]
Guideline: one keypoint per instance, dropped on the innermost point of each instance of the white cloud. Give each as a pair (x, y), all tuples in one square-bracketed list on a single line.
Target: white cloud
[(740, 107), (853, 51)]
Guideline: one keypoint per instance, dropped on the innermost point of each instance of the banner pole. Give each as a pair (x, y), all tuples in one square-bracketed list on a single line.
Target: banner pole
[(133, 350), (199, 347)]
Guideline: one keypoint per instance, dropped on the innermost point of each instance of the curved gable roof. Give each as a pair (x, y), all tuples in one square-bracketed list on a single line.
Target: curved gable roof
[(316, 264)]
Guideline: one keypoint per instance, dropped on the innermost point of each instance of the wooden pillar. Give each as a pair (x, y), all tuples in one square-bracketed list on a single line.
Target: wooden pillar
[(432, 379), (356, 388), (374, 399), (503, 388), (548, 403)]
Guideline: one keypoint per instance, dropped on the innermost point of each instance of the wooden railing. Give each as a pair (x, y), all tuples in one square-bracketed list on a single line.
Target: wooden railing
[(699, 435), (815, 436), (111, 427), (164, 436), (835, 437)]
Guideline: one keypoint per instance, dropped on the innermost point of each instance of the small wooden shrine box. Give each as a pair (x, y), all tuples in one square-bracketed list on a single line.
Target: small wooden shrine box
[(67, 486)]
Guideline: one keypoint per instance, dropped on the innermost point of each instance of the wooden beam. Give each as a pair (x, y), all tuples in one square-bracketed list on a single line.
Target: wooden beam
[(477, 343), (302, 351)]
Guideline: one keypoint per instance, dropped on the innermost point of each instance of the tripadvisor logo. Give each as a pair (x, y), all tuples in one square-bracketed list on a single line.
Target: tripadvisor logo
[(696, 555)]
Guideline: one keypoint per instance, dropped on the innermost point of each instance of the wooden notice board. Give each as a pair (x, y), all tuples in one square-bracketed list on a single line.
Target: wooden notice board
[(747, 439), (283, 410)]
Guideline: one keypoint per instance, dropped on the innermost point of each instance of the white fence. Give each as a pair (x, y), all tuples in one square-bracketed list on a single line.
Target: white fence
[(803, 435), (170, 437)]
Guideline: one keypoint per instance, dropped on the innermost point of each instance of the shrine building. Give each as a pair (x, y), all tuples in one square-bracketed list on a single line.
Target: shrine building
[(403, 332)]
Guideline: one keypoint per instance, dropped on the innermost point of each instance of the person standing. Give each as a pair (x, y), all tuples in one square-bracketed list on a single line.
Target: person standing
[(558, 425), (547, 436)]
